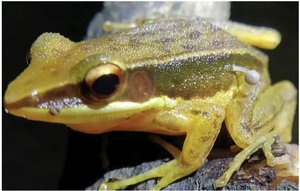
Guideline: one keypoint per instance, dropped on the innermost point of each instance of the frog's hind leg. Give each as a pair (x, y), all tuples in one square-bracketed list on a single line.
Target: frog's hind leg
[(255, 124), (261, 37), (117, 26), (175, 152)]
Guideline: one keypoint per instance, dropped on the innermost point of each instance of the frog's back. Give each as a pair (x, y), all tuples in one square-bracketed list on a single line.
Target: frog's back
[(193, 49), (167, 38)]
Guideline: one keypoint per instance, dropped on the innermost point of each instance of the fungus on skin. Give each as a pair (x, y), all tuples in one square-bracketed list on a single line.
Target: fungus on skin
[(252, 77)]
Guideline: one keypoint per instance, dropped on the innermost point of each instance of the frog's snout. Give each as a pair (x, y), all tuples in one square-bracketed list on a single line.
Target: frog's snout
[(12, 101)]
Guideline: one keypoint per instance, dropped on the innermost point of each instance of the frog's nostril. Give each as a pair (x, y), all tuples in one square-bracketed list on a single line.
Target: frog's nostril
[(28, 57), (9, 97), (35, 96)]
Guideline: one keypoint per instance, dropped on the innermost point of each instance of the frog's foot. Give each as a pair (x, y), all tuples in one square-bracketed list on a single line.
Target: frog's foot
[(267, 149), (265, 142), (168, 172), (254, 124), (114, 26), (117, 26), (261, 37)]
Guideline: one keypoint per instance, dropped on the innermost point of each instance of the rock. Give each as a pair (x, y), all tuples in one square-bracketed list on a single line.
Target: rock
[(253, 175)]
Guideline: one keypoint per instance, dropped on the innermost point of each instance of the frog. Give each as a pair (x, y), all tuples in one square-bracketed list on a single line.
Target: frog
[(174, 76)]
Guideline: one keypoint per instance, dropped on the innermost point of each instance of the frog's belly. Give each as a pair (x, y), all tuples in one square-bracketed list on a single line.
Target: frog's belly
[(142, 122)]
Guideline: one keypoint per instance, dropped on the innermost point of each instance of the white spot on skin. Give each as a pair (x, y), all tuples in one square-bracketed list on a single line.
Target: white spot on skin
[(182, 117), (34, 93), (104, 59)]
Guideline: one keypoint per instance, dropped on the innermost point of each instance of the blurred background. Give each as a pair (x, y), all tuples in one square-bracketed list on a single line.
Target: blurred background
[(39, 155)]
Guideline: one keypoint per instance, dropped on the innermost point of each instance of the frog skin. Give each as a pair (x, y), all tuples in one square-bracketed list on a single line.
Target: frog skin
[(172, 77)]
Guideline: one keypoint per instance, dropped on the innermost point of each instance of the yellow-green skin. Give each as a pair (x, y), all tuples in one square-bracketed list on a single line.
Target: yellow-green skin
[(190, 88)]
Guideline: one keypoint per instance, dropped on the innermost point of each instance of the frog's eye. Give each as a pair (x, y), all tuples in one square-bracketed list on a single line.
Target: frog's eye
[(104, 81)]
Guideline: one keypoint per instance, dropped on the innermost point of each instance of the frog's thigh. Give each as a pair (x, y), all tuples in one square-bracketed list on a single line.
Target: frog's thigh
[(274, 108), (272, 114), (202, 123)]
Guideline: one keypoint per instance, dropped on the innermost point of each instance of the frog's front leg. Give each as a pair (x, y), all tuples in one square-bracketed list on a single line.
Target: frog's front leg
[(254, 122), (202, 123)]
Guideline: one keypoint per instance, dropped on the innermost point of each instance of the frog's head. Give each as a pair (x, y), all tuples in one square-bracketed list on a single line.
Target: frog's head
[(66, 83)]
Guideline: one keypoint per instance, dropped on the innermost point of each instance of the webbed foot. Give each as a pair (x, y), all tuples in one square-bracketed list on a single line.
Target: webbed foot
[(168, 173), (263, 142)]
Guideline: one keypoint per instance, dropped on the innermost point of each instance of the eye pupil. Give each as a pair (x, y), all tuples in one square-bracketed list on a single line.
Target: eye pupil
[(106, 84)]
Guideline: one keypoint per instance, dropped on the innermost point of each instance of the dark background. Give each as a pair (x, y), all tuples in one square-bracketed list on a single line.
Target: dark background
[(49, 156)]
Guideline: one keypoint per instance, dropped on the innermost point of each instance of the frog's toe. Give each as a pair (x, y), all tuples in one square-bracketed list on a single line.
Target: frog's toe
[(265, 142), (103, 186), (110, 184), (267, 149)]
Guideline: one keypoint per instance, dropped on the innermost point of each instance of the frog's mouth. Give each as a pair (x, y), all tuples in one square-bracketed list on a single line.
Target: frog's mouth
[(106, 116), (83, 113)]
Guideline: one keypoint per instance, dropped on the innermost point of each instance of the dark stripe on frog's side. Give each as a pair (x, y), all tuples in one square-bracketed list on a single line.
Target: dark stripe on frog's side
[(194, 76), (67, 96)]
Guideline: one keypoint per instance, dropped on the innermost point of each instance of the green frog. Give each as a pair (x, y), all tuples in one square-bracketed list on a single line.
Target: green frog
[(174, 77)]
